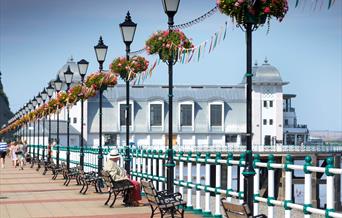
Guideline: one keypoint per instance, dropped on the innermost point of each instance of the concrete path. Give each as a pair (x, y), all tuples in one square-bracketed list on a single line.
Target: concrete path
[(28, 193)]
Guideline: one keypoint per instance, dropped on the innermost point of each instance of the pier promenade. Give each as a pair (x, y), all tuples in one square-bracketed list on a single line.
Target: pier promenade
[(28, 193)]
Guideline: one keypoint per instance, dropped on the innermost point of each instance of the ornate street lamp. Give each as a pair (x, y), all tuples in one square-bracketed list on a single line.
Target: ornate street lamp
[(170, 8), (39, 101), (34, 103), (128, 28), (28, 108), (44, 95), (101, 52), (82, 68), (68, 75), (50, 91), (58, 87)]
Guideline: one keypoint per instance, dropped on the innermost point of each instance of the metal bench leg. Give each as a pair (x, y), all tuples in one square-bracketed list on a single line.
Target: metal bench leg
[(81, 191), (86, 189), (115, 195), (110, 195)]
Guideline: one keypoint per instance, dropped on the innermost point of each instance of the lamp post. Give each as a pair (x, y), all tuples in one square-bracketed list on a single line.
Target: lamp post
[(39, 101), (34, 103), (101, 52), (49, 90), (82, 68), (128, 28), (68, 79), (44, 95), (28, 108), (170, 8), (58, 86)]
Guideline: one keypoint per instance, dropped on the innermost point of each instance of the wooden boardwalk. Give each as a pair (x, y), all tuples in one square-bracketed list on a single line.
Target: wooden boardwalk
[(28, 193)]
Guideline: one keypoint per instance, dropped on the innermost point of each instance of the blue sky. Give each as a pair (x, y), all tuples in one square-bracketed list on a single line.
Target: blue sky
[(38, 36)]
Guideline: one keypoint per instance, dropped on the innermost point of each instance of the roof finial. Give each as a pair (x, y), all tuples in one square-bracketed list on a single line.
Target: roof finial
[(266, 61), (256, 63), (71, 58)]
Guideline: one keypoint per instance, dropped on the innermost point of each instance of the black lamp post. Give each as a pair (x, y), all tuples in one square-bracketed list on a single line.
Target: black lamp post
[(34, 103), (58, 86), (82, 68), (39, 101), (28, 108), (128, 28), (68, 79), (44, 95), (170, 8), (101, 52), (50, 91)]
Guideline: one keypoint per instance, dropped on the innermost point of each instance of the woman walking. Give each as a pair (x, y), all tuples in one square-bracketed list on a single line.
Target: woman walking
[(13, 150), (20, 155)]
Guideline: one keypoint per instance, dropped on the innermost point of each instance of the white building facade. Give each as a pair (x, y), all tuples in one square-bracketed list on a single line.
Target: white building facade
[(202, 115)]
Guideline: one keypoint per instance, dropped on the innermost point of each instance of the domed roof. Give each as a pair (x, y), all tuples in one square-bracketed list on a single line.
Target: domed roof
[(266, 73), (73, 67)]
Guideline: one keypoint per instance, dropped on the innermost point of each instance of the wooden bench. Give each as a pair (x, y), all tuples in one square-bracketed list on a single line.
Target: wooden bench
[(168, 204), (123, 187), (233, 210), (89, 178)]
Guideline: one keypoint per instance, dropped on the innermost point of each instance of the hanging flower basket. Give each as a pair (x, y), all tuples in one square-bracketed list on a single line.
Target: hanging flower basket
[(128, 70), (79, 92), (167, 44), (244, 11), (101, 80), (62, 99)]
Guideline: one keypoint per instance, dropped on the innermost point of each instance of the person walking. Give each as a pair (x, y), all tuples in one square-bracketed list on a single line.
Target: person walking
[(3, 151), (13, 150), (20, 155)]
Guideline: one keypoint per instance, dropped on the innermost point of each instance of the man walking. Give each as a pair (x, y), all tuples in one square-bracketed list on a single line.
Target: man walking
[(3, 151)]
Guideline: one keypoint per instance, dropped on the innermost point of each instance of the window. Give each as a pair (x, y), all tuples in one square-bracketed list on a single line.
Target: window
[(156, 115), (265, 103), (216, 115), (271, 121), (271, 103), (186, 114), (231, 138), (265, 122), (123, 114), (286, 122), (75, 120)]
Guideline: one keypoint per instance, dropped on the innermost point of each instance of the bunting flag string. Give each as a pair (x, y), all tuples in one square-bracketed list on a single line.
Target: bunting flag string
[(186, 55), (314, 4)]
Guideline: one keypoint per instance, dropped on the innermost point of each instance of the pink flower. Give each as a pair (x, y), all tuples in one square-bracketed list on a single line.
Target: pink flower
[(237, 4), (241, 1), (267, 10)]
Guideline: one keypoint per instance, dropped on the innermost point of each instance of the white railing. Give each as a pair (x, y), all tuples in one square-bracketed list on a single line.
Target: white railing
[(330, 148), (192, 181)]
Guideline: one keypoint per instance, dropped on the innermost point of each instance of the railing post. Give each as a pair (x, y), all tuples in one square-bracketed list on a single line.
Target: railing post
[(307, 187), (198, 182), (144, 154), (134, 162), (154, 165), (270, 189), (189, 191), (218, 185), (207, 211), (256, 184), (288, 185), (160, 169), (181, 172), (149, 163), (330, 187), (229, 177), (139, 165), (242, 168)]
